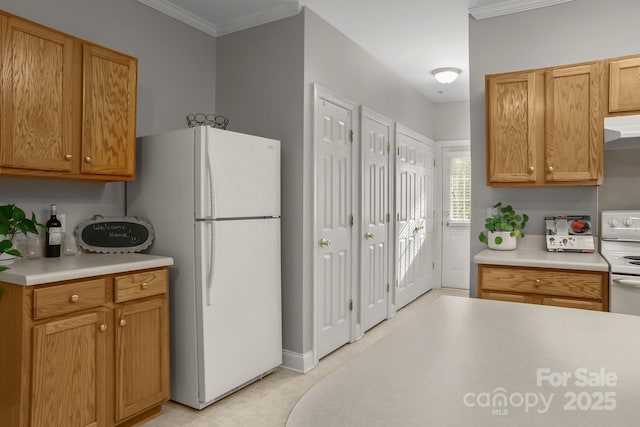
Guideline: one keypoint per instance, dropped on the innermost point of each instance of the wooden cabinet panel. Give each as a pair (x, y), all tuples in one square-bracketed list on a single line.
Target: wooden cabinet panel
[(563, 288), (68, 372), (36, 97), (68, 298), (572, 303), (515, 126), (574, 129), (142, 358), (141, 285), (108, 137), (624, 85)]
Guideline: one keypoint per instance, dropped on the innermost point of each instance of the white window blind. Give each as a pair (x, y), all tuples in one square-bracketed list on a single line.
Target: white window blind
[(460, 189)]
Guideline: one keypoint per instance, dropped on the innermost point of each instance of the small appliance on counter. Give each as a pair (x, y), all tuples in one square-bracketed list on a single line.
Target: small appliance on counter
[(620, 246)]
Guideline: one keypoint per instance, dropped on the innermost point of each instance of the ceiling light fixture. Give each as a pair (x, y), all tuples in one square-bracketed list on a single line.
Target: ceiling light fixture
[(446, 75)]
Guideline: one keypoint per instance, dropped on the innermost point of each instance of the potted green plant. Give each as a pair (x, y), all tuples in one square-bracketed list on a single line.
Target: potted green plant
[(503, 227), (14, 221)]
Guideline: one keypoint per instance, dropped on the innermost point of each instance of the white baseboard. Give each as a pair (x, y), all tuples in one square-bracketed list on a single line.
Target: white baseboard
[(297, 362)]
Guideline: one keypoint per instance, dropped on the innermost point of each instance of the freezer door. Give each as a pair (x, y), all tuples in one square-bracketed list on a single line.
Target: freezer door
[(241, 329), (237, 175)]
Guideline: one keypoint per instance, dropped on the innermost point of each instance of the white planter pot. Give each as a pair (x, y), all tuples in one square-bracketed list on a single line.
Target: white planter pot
[(509, 243), (6, 259)]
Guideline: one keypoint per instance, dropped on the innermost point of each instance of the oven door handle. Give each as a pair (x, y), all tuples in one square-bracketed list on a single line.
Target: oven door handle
[(634, 283)]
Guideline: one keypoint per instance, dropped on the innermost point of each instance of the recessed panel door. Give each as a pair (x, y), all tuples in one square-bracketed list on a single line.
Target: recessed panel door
[(376, 146), (333, 234), (414, 216)]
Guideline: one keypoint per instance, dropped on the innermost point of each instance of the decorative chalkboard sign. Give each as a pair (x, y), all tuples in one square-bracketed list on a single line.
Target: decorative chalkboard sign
[(114, 234)]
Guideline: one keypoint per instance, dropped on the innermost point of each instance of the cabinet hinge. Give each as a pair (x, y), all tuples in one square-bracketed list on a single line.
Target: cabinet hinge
[(351, 135), (388, 217), (350, 305), (351, 220)]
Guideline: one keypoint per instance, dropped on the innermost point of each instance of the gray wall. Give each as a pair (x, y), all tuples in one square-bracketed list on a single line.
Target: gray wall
[(259, 88), (564, 34), (452, 121), (621, 188), (176, 76)]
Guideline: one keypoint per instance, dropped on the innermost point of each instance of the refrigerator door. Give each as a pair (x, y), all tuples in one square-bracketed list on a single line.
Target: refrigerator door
[(237, 175), (239, 304)]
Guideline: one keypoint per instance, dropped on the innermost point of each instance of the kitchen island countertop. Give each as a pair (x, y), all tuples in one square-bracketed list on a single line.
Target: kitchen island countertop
[(47, 270), (531, 252)]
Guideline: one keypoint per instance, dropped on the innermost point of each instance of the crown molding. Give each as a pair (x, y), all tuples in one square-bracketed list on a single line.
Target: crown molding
[(182, 15), (242, 23), (284, 11), (510, 6)]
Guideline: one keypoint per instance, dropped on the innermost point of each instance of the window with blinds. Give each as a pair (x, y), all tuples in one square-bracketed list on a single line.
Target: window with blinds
[(460, 189)]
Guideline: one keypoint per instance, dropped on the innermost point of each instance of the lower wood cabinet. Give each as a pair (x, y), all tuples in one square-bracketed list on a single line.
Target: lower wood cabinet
[(74, 357), (558, 287)]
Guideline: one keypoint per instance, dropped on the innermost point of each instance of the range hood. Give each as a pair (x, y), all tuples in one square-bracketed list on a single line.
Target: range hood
[(622, 132)]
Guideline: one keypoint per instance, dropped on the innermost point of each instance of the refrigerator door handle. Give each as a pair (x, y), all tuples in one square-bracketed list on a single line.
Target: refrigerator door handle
[(210, 225), (209, 167)]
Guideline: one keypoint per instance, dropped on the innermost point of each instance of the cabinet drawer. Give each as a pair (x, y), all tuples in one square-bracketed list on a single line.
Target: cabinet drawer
[(561, 283), (508, 297), (67, 298), (560, 302), (141, 285)]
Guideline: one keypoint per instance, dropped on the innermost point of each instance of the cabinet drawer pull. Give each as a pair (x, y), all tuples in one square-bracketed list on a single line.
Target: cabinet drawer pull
[(88, 159), (103, 327), (144, 285), (68, 156), (123, 322), (74, 298), (538, 283)]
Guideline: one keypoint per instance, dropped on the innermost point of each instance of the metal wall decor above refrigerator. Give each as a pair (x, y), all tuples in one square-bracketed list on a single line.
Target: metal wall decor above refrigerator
[(213, 198)]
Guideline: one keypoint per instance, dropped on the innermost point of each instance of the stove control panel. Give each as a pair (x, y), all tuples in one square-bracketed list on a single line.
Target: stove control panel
[(621, 225)]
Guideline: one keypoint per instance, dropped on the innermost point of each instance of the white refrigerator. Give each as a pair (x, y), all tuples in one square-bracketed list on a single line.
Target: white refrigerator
[(213, 198)]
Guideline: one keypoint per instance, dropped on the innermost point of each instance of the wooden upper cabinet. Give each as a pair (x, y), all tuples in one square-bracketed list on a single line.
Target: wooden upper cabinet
[(545, 126), (67, 107), (515, 127), (109, 104), (574, 124), (624, 85), (36, 97)]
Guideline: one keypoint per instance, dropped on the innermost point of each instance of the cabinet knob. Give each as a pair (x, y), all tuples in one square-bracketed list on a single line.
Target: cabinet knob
[(88, 159), (68, 156), (144, 285), (538, 282), (74, 298), (532, 169), (103, 327), (550, 168), (123, 322)]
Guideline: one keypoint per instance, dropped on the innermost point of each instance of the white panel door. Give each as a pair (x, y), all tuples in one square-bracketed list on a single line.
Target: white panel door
[(333, 209), (414, 216), (456, 217), (239, 310), (237, 175), (374, 241)]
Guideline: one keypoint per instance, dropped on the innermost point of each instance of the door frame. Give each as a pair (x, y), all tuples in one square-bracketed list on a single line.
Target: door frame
[(391, 203), (319, 93), (440, 146)]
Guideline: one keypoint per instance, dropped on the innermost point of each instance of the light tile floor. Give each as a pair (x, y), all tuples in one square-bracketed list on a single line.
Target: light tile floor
[(267, 402)]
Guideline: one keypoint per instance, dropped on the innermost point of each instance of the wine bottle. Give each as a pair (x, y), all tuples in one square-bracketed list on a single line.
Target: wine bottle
[(53, 235)]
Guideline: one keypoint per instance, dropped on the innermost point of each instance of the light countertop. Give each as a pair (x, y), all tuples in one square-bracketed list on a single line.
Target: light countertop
[(531, 252), (46, 270)]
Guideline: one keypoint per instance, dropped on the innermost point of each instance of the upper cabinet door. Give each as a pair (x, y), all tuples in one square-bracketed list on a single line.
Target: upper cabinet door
[(624, 85), (36, 97), (109, 112), (515, 127), (574, 124)]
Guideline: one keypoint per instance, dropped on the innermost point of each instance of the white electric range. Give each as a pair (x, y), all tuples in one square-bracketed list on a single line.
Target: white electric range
[(620, 246)]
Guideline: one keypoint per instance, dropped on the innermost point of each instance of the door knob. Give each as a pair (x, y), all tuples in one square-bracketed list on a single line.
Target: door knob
[(418, 228), (368, 235), (324, 243)]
